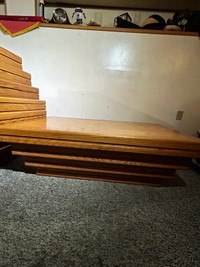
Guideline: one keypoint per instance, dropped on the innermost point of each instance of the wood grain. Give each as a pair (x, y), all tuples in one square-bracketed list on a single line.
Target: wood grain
[(11, 100), (22, 119), (5, 116), (14, 78), (10, 55), (19, 104), (5, 137), (102, 153), (95, 172), (5, 92), (8, 107), (106, 167), (11, 69), (107, 132), (127, 152), (17, 86), (10, 62), (98, 159)]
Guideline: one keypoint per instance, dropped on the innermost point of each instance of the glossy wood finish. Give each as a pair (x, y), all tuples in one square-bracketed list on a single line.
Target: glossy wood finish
[(114, 151), (10, 62), (17, 90), (16, 96), (12, 69), (11, 105), (14, 78), (10, 100), (20, 107), (42, 146), (18, 99), (6, 92), (51, 155), (17, 86), (94, 160), (99, 164), (82, 170), (131, 160), (6, 116), (107, 132), (95, 146), (10, 55)]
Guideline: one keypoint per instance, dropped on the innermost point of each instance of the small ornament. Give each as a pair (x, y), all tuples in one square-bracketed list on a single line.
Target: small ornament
[(78, 12)]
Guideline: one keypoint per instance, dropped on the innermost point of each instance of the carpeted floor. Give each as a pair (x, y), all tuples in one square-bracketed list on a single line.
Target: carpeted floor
[(46, 221)]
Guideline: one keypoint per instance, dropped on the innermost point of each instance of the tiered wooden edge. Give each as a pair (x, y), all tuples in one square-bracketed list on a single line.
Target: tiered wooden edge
[(101, 162), (45, 151), (101, 165), (18, 99), (78, 154)]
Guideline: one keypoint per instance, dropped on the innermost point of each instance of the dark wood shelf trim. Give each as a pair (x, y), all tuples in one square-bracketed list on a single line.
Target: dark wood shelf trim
[(112, 29)]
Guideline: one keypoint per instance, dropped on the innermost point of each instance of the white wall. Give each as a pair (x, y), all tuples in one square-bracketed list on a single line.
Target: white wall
[(20, 7), (116, 76), (2, 9)]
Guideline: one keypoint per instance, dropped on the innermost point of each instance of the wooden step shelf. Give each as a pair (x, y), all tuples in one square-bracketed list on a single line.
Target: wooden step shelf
[(104, 157), (17, 90), (65, 152), (125, 152)]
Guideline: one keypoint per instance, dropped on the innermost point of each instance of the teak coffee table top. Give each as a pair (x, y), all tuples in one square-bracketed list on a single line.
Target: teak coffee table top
[(102, 131)]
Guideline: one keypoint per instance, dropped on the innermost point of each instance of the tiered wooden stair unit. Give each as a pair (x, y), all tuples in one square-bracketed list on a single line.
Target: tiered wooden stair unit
[(18, 99), (85, 149)]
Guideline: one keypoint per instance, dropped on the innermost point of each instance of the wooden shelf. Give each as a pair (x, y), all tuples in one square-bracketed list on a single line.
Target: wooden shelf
[(112, 29)]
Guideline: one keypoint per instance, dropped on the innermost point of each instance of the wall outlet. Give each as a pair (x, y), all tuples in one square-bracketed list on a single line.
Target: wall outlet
[(179, 115)]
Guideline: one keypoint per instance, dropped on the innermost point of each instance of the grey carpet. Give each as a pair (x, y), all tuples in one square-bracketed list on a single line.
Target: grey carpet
[(46, 221)]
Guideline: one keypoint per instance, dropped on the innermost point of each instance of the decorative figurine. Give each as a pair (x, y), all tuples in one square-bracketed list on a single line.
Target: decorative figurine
[(79, 13)]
